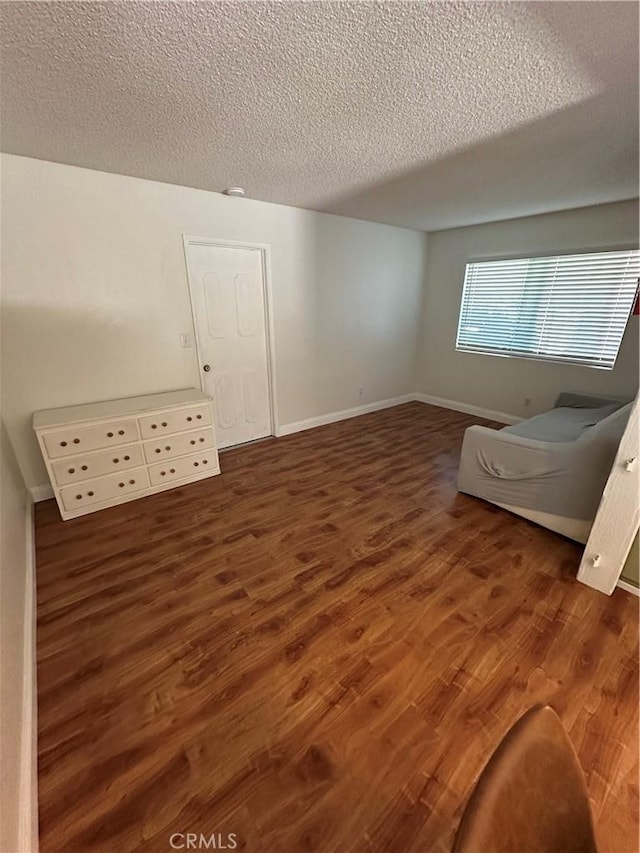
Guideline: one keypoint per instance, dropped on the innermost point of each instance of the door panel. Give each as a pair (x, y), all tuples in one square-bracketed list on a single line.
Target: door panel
[(225, 400), (219, 306), (253, 397), (248, 303), (227, 289)]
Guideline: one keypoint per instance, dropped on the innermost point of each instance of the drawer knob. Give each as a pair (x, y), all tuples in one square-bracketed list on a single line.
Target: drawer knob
[(109, 435), (115, 461), (157, 450), (168, 447), (127, 458), (76, 441), (172, 470), (72, 470), (195, 464), (154, 426), (78, 497), (199, 417), (84, 468), (121, 485), (131, 482), (201, 440), (90, 494), (120, 432), (193, 441), (164, 423), (63, 444), (189, 418), (204, 461), (162, 473)]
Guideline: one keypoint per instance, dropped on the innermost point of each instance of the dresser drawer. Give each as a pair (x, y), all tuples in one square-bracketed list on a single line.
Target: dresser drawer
[(96, 464), (165, 447), (70, 442), (179, 469), (177, 421), (104, 489)]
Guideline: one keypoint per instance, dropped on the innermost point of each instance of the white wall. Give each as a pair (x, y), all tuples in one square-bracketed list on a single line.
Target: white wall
[(96, 295), (501, 384), (16, 658)]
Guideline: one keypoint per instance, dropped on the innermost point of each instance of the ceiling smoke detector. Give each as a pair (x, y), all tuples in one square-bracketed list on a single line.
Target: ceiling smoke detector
[(239, 191)]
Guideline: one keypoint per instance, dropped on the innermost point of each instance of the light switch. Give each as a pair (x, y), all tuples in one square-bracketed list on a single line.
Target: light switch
[(185, 340)]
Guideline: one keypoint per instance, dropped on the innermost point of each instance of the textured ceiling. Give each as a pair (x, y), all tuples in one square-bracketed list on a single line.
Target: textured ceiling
[(428, 115)]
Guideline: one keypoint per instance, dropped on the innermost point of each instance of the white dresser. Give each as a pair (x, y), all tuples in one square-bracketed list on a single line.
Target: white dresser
[(108, 453)]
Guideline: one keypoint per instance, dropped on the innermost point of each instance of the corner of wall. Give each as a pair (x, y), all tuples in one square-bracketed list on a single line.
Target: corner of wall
[(41, 493), (28, 794), (18, 684), (418, 346)]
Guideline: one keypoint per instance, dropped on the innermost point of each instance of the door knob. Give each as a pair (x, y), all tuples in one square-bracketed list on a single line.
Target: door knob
[(206, 368)]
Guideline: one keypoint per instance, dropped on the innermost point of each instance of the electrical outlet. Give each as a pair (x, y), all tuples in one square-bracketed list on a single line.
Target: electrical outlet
[(360, 391), (527, 401), (185, 340)]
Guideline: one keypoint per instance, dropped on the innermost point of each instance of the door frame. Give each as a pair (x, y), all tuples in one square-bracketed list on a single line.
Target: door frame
[(267, 295)]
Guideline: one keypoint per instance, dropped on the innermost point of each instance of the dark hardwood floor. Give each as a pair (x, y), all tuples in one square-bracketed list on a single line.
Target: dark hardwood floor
[(317, 650)]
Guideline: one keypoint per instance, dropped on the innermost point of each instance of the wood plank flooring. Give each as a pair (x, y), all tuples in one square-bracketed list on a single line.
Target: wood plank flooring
[(317, 650)]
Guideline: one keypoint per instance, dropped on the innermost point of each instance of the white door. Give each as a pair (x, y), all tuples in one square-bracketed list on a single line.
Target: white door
[(618, 517), (228, 297)]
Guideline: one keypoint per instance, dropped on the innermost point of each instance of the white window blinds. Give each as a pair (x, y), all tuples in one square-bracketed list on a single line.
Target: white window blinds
[(569, 308)]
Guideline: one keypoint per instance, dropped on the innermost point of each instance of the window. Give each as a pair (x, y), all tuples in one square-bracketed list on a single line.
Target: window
[(568, 308)]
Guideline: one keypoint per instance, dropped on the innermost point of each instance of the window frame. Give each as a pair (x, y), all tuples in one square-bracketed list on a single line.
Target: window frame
[(512, 256)]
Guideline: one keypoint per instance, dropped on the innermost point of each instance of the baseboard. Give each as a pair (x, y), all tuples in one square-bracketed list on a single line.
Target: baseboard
[(345, 414), (467, 409), (45, 492), (629, 587), (41, 493), (28, 796)]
